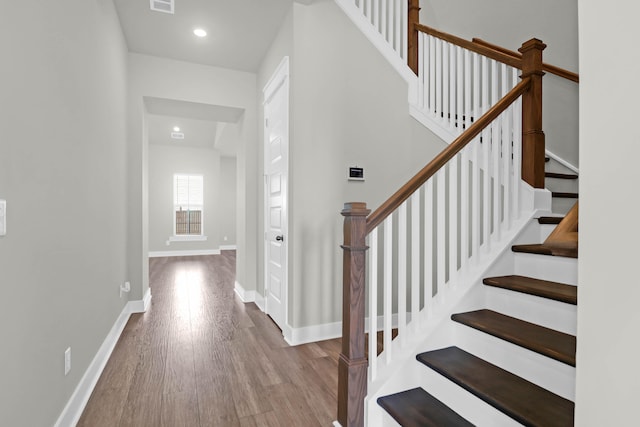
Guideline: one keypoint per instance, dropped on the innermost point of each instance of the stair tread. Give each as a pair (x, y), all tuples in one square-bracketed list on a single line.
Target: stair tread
[(416, 407), (560, 175), (542, 249), (565, 195), (542, 288), (550, 219), (520, 399), (548, 342)]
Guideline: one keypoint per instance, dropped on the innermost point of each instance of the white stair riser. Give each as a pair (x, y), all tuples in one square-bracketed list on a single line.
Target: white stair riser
[(562, 205), (546, 267), (541, 311), (548, 373)]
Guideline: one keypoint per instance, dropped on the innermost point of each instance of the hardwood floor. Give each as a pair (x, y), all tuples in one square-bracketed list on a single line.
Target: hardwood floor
[(200, 357)]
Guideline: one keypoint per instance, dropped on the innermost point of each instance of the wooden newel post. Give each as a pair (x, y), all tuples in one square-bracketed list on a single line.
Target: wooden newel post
[(352, 366), (533, 151), (412, 40)]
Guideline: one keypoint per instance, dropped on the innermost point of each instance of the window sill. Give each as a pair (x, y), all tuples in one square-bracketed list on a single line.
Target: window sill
[(187, 238)]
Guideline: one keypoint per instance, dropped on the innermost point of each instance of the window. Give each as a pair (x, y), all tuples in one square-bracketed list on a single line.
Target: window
[(188, 201)]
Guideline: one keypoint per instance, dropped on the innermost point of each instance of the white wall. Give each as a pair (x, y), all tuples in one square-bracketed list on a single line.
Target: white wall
[(182, 81), (348, 106), (219, 175), (509, 23), (608, 377), (62, 172)]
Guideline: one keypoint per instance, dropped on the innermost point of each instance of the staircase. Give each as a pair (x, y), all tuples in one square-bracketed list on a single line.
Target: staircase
[(522, 400), (469, 278)]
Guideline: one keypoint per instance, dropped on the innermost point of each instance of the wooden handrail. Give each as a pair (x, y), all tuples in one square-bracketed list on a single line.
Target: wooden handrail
[(561, 72), (474, 47), (447, 154)]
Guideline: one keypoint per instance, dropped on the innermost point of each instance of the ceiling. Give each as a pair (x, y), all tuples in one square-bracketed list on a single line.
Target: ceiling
[(239, 34), (201, 124), (239, 31)]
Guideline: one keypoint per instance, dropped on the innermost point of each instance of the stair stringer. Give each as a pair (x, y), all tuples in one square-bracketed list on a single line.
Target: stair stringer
[(435, 329)]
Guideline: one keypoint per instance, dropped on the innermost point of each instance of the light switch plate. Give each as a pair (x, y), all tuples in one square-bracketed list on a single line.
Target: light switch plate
[(3, 217)]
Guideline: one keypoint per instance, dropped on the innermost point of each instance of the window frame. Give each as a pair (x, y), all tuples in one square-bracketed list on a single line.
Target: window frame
[(176, 205)]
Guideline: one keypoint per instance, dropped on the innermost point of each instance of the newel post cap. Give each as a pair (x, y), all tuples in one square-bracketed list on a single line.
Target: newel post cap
[(355, 209), (532, 44)]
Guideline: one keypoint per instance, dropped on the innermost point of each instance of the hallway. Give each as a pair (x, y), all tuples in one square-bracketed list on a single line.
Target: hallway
[(200, 357)]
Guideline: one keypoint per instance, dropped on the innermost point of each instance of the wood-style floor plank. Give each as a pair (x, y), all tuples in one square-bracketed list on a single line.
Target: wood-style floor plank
[(201, 357)]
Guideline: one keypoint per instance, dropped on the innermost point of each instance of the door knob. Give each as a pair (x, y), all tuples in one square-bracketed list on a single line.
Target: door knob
[(279, 238)]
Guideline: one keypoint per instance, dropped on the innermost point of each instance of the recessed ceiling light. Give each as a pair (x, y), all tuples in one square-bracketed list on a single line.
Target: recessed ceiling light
[(176, 129), (200, 32)]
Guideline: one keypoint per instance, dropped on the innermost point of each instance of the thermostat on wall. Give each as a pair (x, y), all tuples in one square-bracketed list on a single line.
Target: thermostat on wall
[(356, 173)]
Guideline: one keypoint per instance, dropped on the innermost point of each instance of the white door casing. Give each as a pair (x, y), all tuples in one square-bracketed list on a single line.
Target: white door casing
[(276, 158)]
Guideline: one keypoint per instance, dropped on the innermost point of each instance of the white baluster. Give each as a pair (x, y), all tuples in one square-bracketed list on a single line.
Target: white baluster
[(464, 206), (428, 247), (405, 29), (454, 214), (388, 286), (453, 84), (506, 151), (445, 83), (517, 156), (373, 304), (397, 18), (369, 12), (496, 152), (441, 210), (423, 49), (375, 15), (460, 66), (432, 74), (438, 83), (467, 89), (402, 272), (361, 6), (384, 17), (415, 258), (486, 143), (475, 192)]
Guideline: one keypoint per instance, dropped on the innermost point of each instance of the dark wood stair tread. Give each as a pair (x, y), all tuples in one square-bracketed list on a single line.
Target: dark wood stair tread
[(542, 249), (550, 220), (564, 195), (520, 399), (548, 342), (417, 408), (560, 175), (541, 288)]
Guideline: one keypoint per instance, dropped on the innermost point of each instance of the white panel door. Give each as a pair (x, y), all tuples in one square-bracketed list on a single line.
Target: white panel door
[(276, 112)]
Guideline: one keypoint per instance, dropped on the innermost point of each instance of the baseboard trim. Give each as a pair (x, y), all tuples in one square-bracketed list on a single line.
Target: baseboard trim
[(244, 295), (142, 305), (228, 247), (329, 331), (308, 334), (160, 254), (259, 301), (75, 405)]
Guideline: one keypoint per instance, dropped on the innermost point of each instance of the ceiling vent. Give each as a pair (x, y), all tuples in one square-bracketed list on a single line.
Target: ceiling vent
[(177, 135), (166, 6)]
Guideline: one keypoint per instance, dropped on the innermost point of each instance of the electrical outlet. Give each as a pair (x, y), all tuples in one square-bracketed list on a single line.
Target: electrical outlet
[(3, 217), (225, 238), (67, 360)]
